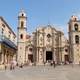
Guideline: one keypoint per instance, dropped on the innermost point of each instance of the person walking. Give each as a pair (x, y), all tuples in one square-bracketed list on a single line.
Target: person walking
[(51, 63), (5, 65), (54, 64), (11, 65)]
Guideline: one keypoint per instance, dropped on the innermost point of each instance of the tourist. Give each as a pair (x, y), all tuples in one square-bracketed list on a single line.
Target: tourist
[(79, 63), (51, 63), (54, 64), (21, 65), (44, 63), (5, 65)]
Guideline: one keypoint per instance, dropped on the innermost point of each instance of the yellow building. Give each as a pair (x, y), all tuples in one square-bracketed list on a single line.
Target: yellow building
[(7, 43)]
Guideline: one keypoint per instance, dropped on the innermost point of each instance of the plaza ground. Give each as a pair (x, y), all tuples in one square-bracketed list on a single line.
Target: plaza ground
[(67, 72)]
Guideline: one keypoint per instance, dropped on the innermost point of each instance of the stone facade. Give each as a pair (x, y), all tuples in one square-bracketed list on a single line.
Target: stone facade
[(44, 45), (49, 45)]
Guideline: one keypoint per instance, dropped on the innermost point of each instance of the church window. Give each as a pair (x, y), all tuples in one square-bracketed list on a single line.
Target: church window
[(77, 39), (3, 25), (21, 36), (30, 49), (48, 35), (22, 24), (76, 27), (66, 50)]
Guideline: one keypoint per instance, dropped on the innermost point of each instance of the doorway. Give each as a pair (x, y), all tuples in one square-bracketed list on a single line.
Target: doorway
[(66, 58), (49, 55), (30, 57)]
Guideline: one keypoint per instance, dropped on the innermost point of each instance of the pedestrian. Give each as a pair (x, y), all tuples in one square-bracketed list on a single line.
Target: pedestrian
[(44, 63), (21, 65), (79, 63), (14, 63), (11, 65), (5, 65), (51, 63), (54, 64)]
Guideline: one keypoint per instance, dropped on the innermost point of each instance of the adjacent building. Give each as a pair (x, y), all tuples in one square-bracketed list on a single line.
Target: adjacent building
[(74, 39), (8, 46)]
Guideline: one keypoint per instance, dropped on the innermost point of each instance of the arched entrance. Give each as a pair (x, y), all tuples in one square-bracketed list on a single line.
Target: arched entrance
[(30, 57), (49, 55), (66, 58)]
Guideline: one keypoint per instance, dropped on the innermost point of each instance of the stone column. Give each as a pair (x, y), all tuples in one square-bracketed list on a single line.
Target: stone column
[(40, 56), (2, 61), (37, 55)]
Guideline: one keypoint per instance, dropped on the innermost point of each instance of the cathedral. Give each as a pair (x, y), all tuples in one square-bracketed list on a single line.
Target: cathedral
[(50, 45), (44, 45)]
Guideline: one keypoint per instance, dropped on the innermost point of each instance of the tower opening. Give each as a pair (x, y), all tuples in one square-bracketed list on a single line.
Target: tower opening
[(76, 39), (76, 27)]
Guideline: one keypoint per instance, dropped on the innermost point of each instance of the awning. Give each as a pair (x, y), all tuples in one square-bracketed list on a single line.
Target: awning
[(8, 42)]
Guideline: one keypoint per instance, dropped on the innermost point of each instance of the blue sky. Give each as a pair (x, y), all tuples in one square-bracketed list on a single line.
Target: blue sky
[(40, 12)]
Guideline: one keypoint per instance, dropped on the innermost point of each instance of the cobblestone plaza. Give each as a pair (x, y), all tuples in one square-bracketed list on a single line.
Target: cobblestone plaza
[(67, 72)]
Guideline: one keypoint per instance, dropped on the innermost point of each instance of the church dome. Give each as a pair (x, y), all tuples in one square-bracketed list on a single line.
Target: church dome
[(22, 13)]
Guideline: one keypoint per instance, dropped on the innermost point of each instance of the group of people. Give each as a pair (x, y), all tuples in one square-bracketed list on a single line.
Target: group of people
[(14, 64), (11, 65), (52, 63)]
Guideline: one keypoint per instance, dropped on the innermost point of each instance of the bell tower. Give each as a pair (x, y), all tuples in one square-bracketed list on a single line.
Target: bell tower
[(21, 36), (74, 39)]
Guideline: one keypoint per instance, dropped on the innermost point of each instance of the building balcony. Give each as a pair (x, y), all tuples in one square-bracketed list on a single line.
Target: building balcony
[(8, 42)]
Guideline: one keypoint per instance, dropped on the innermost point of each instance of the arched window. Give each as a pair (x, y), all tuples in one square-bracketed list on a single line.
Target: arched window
[(66, 50), (21, 36), (76, 27), (22, 24), (30, 49), (48, 35), (77, 39)]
